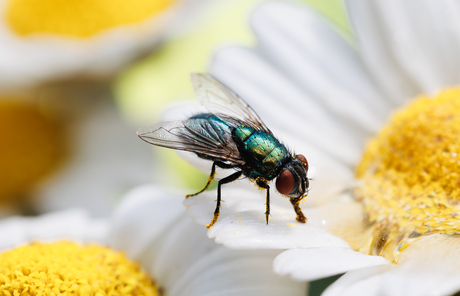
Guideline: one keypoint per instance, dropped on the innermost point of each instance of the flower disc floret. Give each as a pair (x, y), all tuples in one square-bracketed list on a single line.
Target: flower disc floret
[(33, 146), (65, 267), (83, 18), (409, 174)]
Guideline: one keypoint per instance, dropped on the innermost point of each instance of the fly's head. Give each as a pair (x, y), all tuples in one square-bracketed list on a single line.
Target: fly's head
[(292, 180)]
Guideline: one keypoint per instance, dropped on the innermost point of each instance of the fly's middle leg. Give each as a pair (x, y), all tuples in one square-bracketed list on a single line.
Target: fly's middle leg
[(225, 180), (211, 176), (262, 183)]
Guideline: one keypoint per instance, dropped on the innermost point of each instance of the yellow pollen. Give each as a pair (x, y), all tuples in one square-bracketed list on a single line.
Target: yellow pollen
[(65, 268), (78, 18), (32, 147), (409, 175)]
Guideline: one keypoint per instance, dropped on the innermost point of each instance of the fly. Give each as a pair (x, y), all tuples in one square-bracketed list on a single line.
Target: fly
[(233, 136)]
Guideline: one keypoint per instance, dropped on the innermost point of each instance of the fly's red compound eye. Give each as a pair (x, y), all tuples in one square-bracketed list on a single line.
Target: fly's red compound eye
[(303, 159), (285, 182)]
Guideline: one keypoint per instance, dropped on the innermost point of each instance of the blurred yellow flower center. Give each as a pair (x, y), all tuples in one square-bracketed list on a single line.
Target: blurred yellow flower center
[(32, 146), (78, 18), (71, 269), (410, 175)]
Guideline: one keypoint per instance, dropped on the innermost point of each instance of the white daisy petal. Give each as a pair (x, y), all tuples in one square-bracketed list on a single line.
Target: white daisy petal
[(362, 282), (254, 233), (301, 38), (426, 51), (429, 266), (182, 273), (242, 224), (12, 232), (373, 44), (414, 282), (315, 263), (74, 224), (77, 223), (182, 244), (276, 99), (183, 260), (147, 203), (251, 274)]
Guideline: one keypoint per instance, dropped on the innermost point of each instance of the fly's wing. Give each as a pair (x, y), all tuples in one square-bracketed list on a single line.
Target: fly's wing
[(223, 102), (195, 135)]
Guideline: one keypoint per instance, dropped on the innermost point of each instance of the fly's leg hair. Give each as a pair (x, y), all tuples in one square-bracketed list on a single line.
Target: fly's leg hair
[(212, 175), (295, 203), (263, 184), (225, 180)]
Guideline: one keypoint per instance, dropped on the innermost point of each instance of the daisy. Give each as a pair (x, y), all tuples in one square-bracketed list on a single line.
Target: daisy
[(69, 251), (385, 212), (61, 39), (80, 142)]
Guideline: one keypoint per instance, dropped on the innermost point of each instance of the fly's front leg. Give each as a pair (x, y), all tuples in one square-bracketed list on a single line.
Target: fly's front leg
[(211, 176), (263, 184), (300, 216), (225, 180)]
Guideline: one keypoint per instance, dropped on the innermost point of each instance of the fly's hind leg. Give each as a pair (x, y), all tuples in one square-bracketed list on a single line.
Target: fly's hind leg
[(263, 184), (300, 216), (225, 180), (211, 176)]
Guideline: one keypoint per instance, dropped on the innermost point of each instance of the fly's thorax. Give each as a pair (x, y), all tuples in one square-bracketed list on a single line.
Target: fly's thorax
[(263, 153), (259, 145), (242, 133)]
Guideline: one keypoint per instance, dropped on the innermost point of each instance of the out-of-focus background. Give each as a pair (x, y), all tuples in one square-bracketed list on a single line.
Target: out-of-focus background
[(78, 78)]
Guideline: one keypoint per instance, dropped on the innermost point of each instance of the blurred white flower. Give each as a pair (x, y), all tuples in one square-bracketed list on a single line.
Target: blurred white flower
[(149, 228), (324, 98), (67, 147), (61, 39), (104, 162)]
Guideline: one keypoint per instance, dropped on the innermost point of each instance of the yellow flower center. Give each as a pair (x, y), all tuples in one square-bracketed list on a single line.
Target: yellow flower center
[(410, 175), (78, 18), (71, 269), (32, 146)]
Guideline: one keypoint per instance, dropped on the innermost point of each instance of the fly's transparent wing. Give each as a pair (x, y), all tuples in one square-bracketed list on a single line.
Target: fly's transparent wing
[(194, 135), (223, 102)]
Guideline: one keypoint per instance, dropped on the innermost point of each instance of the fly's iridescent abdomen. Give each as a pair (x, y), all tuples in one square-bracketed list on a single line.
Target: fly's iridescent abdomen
[(264, 154)]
